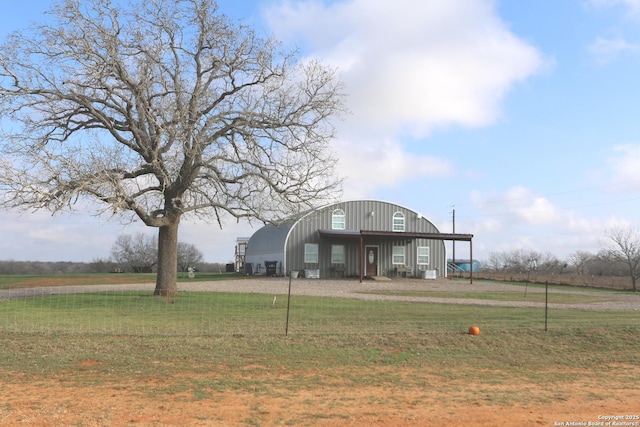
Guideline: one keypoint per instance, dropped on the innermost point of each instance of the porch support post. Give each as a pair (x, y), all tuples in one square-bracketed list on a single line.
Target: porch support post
[(471, 263), (360, 258)]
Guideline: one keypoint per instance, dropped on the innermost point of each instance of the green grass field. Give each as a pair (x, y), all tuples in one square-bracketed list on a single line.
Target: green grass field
[(237, 314), (199, 345), (217, 313), (519, 296)]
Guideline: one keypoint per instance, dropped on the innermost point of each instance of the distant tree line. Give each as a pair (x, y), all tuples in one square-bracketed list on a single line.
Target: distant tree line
[(12, 267), (619, 256), (129, 254), (521, 260), (44, 268), (139, 254), (580, 262)]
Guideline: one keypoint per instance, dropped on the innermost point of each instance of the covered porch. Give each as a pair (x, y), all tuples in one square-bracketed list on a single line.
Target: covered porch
[(367, 242)]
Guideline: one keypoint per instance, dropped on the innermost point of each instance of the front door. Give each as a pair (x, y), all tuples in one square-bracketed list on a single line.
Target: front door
[(371, 260)]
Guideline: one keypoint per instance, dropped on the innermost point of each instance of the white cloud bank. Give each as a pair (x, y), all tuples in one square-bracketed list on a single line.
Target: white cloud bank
[(517, 205), (409, 66), (520, 218)]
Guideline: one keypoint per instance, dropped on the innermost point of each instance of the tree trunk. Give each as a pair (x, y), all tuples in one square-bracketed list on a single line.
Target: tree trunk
[(166, 281)]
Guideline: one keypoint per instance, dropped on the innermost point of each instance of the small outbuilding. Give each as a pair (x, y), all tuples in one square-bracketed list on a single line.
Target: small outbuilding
[(360, 238)]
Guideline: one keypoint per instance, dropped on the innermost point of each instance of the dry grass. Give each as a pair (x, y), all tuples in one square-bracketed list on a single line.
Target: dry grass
[(569, 279)]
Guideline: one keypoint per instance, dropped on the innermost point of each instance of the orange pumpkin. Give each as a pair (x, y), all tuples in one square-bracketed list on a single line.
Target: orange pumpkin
[(474, 330)]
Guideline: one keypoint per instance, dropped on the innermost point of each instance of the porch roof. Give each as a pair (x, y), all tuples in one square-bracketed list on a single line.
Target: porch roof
[(396, 234)]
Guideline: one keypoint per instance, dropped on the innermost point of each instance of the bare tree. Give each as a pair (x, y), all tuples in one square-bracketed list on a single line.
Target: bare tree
[(103, 265), (160, 109), (496, 261), (607, 264), (548, 262), (624, 247), (138, 253), (579, 260), (520, 260), (188, 256)]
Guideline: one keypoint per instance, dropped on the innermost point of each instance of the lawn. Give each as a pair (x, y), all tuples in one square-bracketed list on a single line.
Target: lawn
[(561, 298), (219, 313), (222, 359)]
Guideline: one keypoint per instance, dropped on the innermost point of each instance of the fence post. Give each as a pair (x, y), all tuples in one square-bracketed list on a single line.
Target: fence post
[(286, 328), (546, 305)]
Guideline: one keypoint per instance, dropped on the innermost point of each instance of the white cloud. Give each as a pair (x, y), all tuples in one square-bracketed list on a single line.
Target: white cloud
[(68, 237), (413, 64), (576, 223), (623, 170), (615, 221), (632, 6), (518, 204), (488, 225), (606, 50), (532, 209), (518, 218), (409, 66), (64, 237), (372, 163)]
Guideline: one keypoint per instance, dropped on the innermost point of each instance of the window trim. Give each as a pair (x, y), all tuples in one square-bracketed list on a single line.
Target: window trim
[(311, 253), (403, 255), (400, 226), (338, 214), (335, 253), (427, 256)]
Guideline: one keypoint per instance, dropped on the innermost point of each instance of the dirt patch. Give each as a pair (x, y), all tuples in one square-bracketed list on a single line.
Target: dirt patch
[(314, 398), (256, 395), (88, 280)]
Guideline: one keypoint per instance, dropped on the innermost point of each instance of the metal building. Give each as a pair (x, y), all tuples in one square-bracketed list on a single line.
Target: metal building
[(352, 239)]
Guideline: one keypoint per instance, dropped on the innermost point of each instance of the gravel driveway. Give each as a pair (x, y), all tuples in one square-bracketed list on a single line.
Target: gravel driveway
[(368, 290)]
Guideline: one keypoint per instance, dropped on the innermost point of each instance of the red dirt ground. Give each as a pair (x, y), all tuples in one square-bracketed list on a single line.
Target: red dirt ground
[(93, 399), (89, 397), (115, 279)]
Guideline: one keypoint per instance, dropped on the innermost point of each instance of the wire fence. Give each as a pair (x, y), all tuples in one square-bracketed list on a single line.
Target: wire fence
[(313, 307)]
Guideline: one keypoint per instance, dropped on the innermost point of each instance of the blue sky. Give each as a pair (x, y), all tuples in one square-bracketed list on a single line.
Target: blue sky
[(521, 115)]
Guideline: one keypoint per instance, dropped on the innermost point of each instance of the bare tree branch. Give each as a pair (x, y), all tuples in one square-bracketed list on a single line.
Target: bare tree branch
[(162, 109), (624, 247)]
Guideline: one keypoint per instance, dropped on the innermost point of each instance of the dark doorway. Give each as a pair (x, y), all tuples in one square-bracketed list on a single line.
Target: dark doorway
[(371, 260)]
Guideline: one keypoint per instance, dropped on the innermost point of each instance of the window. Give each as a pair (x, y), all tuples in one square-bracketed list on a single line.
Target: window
[(337, 220), (311, 253), (423, 255), (398, 221), (337, 254), (398, 255)]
